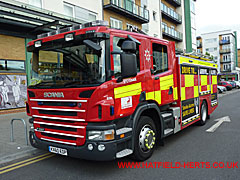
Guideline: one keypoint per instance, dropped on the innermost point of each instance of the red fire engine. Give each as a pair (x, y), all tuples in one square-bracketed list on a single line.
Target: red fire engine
[(100, 93)]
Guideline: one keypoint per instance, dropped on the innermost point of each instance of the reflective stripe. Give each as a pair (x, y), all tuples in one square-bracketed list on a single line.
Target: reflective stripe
[(58, 118), (158, 97), (204, 79), (62, 134), (57, 109), (208, 87), (62, 142), (196, 91), (61, 125), (175, 93), (129, 90), (196, 62), (166, 82), (189, 80), (58, 100), (214, 79), (183, 94), (154, 95), (150, 95)]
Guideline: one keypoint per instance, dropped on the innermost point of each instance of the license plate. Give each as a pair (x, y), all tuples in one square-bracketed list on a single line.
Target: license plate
[(57, 150)]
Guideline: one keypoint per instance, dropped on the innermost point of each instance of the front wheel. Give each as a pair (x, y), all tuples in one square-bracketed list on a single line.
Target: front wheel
[(203, 114), (145, 139)]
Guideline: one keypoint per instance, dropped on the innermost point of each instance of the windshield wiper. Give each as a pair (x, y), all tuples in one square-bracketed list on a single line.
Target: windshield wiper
[(71, 84), (39, 84)]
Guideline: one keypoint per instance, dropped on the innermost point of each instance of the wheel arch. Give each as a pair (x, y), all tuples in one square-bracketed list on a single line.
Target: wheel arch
[(151, 110)]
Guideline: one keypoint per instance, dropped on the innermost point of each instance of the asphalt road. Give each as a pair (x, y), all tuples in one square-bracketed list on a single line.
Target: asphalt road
[(193, 144)]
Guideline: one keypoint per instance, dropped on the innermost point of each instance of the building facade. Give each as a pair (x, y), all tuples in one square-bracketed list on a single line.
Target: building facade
[(20, 22), (125, 14), (173, 20), (222, 46)]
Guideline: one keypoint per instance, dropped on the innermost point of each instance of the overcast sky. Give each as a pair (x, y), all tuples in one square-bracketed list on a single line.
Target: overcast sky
[(215, 15)]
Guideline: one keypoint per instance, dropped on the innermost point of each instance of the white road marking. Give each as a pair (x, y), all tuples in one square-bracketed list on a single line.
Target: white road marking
[(220, 121)]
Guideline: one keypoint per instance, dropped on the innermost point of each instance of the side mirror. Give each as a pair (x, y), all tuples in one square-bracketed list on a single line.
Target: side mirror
[(129, 46), (128, 59), (128, 65)]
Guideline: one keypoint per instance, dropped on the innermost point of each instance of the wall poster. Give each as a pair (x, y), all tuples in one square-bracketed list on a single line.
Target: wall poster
[(13, 91)]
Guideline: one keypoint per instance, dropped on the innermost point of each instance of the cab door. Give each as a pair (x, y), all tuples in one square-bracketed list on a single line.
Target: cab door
[(162, 73)]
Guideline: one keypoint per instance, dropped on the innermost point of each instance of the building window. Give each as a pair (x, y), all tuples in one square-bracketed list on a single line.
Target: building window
[(68, 10), (160, 58), (212, 40), (115, 23), (192, 6), (92, 17), (12, 65), (37, 3), (79, 13), (154, 15)]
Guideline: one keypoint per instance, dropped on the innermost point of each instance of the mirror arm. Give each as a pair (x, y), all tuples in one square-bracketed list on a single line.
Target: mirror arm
[(119, 79)]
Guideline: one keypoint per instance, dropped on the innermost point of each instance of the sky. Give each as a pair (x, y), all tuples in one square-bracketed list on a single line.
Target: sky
[(216, 15)]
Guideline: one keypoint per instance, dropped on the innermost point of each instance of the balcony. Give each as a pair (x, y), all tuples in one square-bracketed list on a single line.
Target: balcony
[(224, 41), (170, 14), (128, 9), (171, 33), (225, 51), (225, 61), (175, 3), (226, 70)]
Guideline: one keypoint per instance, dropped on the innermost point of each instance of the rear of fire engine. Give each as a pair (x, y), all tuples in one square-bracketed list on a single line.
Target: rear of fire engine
[(98, 93)]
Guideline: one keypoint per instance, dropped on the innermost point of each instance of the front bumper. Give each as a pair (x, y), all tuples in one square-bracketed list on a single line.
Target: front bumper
[(82, 152)]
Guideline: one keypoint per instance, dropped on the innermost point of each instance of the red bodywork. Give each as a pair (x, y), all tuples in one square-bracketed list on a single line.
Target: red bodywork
[(103, 95)]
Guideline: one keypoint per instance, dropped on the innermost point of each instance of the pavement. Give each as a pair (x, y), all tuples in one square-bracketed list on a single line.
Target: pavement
[(11, 151)]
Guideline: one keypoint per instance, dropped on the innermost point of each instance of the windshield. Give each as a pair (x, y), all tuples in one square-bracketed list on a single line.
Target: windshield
[(72, 66)]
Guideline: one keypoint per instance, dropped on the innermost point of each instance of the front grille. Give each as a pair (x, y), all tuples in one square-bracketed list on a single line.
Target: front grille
[(59, 121), (67, 104), (61, 113), (58, 128), (59, 136)]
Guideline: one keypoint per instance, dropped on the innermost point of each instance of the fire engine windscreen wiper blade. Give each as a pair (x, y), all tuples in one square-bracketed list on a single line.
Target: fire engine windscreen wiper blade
[(40, 84)]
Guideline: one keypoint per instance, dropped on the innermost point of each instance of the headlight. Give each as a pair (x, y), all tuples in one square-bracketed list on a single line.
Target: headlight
[(101, 135)]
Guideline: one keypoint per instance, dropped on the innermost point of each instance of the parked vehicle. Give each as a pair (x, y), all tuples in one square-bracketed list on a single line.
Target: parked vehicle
[(232, 83), (237, 84), (221, 89), (225, 84)]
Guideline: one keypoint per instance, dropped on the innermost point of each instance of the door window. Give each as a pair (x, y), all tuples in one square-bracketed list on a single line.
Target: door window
[(160, 58)]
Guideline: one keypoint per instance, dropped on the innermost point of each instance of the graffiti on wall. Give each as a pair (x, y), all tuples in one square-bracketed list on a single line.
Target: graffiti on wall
[(13, 91)]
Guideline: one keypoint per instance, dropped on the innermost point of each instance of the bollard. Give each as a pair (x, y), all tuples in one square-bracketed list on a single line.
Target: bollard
[(25, 126)]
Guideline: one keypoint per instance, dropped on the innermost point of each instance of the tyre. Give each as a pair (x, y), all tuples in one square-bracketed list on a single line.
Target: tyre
[(144, 139), (203, 114)]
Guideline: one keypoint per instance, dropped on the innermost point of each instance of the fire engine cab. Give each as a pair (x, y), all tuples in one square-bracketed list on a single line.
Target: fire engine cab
[(99, 93)]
